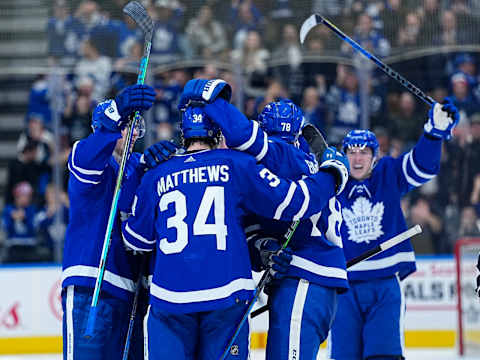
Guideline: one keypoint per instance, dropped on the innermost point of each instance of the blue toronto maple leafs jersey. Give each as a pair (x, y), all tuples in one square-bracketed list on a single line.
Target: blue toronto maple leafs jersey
[(191, 209), (372, 213), (93, 173), (317, 247)]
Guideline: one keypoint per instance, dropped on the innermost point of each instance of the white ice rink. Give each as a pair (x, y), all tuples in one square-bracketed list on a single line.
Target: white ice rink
[(424, 354)]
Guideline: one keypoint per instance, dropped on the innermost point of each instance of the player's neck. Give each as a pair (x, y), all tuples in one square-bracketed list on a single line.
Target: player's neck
[(197, 146)]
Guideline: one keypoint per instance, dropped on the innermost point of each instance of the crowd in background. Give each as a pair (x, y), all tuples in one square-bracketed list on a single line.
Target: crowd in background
[(254, 45)]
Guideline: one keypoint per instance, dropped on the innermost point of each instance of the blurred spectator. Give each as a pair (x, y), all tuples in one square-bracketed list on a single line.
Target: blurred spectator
[(38, 100), (64, 34), (406, 122), (471, 161), (206, 36), (314, 109), (289, 50), (26, 168), (462, 96), (166, 39), (36, 131), (253, 57), (369, 38), (51, 231), (449, 33), (96, 66), (329, 8), (430, 14), (475, 195), (343, 104), (77, 114), (409, 33), (275, 91), (391, 16), (469, 223), (244, 18), (430, 241), (18, 222), (129, 34)]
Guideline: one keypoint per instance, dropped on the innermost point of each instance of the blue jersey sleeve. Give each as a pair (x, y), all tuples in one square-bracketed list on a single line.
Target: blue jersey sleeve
[(89, 157), (139, 230), (240, 133), (419, 165), (280, 199)]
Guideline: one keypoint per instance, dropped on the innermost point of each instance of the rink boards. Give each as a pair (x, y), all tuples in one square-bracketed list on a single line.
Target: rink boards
[(31, 310)]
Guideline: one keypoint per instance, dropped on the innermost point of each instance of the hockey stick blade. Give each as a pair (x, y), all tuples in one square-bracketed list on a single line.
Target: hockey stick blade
[(315, 141), (139, 14), (308, 25), (388, 244)]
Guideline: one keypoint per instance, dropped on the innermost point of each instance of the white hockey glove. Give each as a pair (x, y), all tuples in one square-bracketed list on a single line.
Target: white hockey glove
[(336, 162), (442, 118)]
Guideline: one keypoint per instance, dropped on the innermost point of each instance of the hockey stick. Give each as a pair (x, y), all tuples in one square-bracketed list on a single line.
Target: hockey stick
[(316, 19), (397, 239), (317, 146), (138, 13), (134, 307)]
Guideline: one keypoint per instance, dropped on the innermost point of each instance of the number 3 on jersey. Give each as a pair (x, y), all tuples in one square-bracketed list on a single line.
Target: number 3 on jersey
[(213, 196)]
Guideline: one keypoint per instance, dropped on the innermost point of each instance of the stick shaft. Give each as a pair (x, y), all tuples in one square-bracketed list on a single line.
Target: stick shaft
[(116, 195), (387, 69), (261, 284), (368, 254)]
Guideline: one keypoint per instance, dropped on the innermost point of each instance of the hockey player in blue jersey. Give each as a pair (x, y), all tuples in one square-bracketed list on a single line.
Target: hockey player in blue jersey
[(93, 166), (192, 212), (370, 317), (302, 306)]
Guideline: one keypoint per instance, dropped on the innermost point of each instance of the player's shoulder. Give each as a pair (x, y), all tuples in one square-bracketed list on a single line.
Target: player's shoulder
[(385, 165)]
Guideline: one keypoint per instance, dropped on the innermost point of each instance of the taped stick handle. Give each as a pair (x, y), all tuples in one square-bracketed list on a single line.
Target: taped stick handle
[(366, 255)]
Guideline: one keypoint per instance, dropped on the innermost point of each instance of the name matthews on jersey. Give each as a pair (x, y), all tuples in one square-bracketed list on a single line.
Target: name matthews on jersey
[(202, 174)]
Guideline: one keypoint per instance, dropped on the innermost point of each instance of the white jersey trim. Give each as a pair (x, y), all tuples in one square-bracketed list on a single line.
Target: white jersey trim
[(82, 170), (285, 202), (264, 150), (296, 320), (317, 269), (69, 320), (306, 201), (82, 179), (417, 171), (404, 169), (92, 272), (145, 334), (133, 247), (386, 262), (138, 236), (187, 297), (250, 141)]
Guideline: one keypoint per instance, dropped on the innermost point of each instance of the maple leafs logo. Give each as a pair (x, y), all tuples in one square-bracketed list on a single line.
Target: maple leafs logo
[(364, 220)]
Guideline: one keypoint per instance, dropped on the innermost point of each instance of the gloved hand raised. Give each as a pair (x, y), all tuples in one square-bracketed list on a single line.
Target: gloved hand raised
[(135, 97), (203, 90), (336, 162), (442, 118), (274, 258), (158, 153)]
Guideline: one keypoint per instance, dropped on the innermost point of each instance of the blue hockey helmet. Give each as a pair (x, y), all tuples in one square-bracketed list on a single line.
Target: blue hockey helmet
[(196, 124), (283, 119), (361, 139), (105, 106)]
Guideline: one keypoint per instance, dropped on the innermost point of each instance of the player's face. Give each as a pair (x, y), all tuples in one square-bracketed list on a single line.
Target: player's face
[(360, 161), (121, 141)]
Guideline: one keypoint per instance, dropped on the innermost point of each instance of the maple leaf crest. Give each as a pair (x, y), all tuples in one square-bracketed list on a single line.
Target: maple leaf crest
[(364, 221)]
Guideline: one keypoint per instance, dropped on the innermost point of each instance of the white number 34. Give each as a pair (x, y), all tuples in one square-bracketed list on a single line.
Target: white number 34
[(213, 196)]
